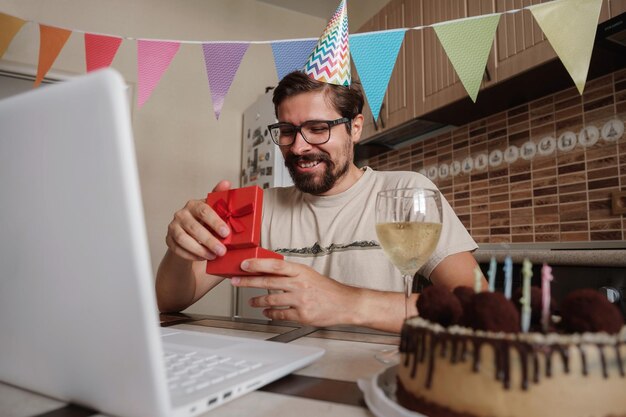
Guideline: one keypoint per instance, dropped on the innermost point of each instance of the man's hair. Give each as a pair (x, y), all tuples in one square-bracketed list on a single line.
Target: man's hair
[(348, 101)]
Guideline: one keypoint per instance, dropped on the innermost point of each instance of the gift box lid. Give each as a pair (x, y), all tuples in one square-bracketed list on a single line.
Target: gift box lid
[(241, 209)]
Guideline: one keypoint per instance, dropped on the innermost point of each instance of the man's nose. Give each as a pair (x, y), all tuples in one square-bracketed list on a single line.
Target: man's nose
[(299, 145)]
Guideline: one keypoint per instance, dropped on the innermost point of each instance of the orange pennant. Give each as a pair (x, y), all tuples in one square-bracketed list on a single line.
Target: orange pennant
[(10, 26), (51, 42)]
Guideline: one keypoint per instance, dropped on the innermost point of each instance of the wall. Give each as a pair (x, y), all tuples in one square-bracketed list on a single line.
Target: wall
[(182, 150), (563, 196)]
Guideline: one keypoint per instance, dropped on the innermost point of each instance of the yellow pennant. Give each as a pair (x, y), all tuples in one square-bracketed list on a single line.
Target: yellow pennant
[(9, 26), (570, 26)]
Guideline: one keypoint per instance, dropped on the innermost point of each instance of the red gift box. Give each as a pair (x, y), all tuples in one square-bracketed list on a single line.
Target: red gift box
[(229, 264), (241, 209)]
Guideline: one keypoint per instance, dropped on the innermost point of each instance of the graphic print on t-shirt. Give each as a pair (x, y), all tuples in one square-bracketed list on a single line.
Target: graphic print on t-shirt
[(318, 250)]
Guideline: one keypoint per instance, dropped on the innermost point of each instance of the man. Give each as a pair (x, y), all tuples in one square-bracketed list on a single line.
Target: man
[(333, 272)]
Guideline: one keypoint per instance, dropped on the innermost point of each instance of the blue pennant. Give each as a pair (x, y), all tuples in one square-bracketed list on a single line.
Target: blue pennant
[(291, 55), (374, 56)]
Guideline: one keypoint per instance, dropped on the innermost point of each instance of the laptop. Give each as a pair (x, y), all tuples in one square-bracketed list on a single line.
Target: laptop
[(78, 315)]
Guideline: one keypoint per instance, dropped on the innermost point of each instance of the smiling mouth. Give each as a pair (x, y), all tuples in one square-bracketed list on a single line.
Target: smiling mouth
[(308, 164)]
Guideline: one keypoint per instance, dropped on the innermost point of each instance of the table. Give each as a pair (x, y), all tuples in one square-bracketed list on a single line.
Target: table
[(326, 387)]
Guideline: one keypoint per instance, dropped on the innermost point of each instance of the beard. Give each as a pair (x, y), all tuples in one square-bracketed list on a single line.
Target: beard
[(314, 183)]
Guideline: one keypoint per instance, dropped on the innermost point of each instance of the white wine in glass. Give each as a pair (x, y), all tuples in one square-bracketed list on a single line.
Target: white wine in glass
[(408, 226)]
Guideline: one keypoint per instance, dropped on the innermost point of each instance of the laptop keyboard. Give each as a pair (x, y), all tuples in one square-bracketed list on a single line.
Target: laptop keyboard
[(188, 372)]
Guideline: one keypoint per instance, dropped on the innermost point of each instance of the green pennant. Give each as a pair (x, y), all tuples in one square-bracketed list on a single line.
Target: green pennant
[(467, 43)]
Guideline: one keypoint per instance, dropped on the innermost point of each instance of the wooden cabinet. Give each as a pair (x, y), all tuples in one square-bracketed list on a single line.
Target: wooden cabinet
[(441, 85), (398, 104), (423, 79), (616, 7)]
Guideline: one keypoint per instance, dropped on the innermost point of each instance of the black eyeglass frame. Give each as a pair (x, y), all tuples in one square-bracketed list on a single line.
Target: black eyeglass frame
[(331, 124)]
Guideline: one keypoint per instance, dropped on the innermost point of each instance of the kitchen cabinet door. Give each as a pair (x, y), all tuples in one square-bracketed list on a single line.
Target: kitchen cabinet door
[(399, 100), (520, 42), (369, 124), (398, 103), (441, 84), (615, 7)]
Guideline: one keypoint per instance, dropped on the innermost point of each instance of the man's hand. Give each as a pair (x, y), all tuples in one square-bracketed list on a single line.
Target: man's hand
[(189, 234), (310, 298)]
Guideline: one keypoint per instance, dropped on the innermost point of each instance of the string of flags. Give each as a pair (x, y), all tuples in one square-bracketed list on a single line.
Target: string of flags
[(569, 26)]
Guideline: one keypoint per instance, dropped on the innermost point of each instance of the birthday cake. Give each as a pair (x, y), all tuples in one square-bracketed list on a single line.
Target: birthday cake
[(466, 356)]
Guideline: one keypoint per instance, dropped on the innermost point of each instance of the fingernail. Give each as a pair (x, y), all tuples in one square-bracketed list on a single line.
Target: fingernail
[(220, 250), (235, 280), (224, 231), (245, 265)]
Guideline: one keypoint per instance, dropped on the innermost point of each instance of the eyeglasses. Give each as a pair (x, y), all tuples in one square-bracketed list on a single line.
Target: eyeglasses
[(314, 132)]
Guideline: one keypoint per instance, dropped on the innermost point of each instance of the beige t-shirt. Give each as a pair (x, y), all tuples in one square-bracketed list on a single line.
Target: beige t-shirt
[(336, 235)]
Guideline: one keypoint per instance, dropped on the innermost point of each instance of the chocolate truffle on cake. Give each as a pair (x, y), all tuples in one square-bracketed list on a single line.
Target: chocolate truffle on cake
[(587, 310), (491, 311), (439, 305), (464, 294)]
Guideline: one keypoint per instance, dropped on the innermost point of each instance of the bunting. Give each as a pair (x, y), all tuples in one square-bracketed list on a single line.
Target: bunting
[(467, 43), (153, 59), (330, 60), (10, 26), (570, 27), (222, 61), (51, 42), (375, 55), (291, 55), (100, 50)]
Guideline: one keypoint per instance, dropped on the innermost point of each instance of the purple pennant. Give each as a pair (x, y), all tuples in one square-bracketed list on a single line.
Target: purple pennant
[(291, 55), (222, 61)]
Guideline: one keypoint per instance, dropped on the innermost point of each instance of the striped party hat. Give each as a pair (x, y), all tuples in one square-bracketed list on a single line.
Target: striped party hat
[(330, 60)]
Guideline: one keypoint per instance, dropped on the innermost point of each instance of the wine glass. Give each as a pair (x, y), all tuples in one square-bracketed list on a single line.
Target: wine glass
[(408, 226)]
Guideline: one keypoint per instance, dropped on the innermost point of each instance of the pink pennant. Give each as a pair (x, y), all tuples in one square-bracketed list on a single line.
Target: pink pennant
[(222, 61), (153, 59), (100, 50)]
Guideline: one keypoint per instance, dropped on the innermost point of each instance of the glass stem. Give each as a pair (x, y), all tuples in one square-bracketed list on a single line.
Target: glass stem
[(408, 288)]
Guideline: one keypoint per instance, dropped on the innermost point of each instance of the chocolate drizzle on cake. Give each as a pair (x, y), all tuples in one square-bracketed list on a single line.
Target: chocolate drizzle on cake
[(416, 336), (620, 365)]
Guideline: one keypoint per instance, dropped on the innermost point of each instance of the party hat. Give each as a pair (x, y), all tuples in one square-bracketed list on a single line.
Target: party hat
[(330, 60)]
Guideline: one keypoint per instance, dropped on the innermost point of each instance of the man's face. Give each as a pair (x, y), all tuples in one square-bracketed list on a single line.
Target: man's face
[(316, 169)]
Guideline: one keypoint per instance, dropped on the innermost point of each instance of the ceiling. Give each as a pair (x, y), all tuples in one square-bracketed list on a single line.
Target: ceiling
[(359, 11), (319, 8)]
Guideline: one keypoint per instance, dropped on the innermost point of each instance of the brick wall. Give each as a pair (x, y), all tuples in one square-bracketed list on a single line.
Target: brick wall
[(561, 194)]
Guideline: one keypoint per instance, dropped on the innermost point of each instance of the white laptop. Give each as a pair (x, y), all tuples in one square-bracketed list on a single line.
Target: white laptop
[(78, 317)]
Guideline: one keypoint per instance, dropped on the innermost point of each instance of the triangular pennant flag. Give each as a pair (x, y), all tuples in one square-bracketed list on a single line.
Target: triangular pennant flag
[(467, 43), (375, 55), (291, 55), (9, 26), (570, 27), (222, 61), (330, 60), (51, 42), (100, 50), (153, 59)]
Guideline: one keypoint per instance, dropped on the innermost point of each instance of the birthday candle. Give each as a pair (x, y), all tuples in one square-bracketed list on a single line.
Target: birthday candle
[(491, 273), (478, 279), (546, 279), (527, 274), (508, 276)]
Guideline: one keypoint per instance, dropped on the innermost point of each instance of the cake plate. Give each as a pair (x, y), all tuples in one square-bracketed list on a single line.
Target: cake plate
[(380, 395)]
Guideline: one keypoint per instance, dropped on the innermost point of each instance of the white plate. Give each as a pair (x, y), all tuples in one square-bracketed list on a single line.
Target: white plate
[(380, 395)]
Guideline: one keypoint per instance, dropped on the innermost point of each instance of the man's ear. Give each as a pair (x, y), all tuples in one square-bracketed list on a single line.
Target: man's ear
[(357, 128)]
